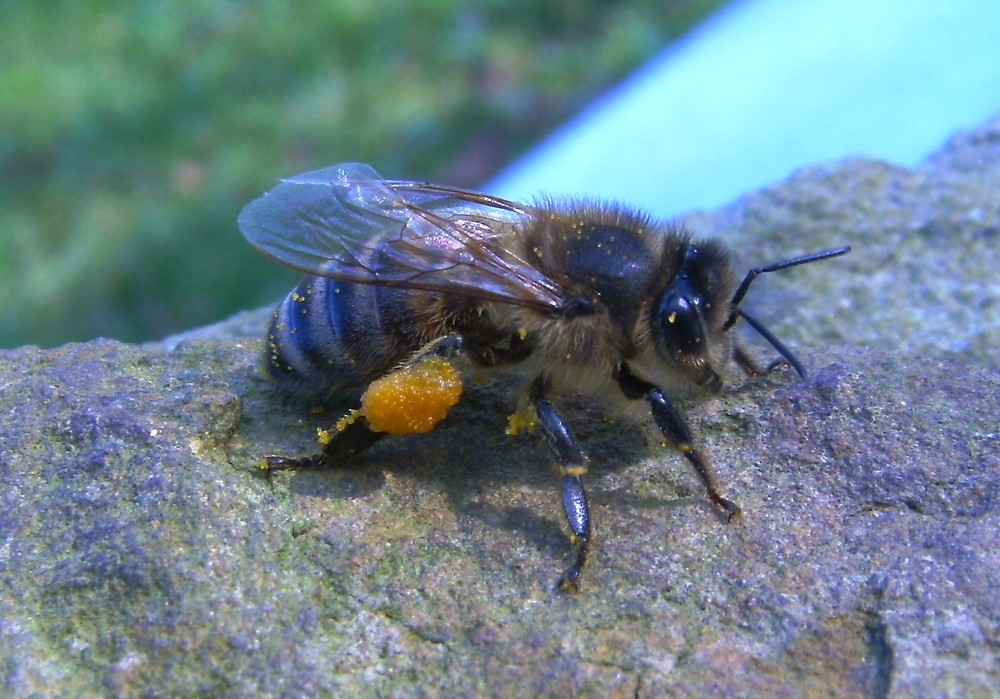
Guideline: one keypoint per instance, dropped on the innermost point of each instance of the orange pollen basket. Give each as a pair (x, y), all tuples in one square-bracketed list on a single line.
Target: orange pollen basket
[(413, 399)]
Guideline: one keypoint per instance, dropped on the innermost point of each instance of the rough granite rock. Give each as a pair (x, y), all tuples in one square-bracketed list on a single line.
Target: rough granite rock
[(143, 552)]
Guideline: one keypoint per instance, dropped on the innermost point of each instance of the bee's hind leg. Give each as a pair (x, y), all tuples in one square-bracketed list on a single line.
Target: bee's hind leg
[(354, 434), (346, 443), (464, 349)]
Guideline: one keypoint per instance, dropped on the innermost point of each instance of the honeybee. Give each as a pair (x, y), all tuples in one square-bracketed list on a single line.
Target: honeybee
[(580, 298)]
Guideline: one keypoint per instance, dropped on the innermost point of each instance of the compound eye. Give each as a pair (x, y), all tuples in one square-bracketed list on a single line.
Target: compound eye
[(681, 325)]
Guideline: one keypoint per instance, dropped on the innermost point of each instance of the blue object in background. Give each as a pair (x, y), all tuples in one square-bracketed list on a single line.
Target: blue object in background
[(768, 86)]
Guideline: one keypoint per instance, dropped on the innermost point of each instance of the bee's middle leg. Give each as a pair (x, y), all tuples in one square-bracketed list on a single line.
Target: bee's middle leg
[(573, 465)]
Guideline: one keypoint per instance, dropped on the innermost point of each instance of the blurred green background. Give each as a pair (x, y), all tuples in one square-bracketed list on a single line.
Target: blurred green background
[(131, 134)]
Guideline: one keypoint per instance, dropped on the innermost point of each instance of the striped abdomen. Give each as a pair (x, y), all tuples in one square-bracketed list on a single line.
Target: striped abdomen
[(329, 336)]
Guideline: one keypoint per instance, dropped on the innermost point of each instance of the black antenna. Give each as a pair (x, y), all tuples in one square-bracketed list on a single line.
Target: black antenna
[(741, 291), (776, 343)]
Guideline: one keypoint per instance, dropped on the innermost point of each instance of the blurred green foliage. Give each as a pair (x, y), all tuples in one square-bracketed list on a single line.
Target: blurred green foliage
[(131, 134)]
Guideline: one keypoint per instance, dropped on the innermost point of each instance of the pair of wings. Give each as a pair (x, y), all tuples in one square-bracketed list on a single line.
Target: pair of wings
[(346, 222)]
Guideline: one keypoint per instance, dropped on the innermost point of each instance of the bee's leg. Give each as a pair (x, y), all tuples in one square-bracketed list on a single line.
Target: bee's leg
[(787, 356), (446, 347), (356, 435), (464, 348), (348, 442), (675, 429), (750, 366), (573, 465)]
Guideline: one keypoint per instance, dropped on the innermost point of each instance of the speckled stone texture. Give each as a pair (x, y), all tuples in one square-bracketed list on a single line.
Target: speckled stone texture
[(143, 552)]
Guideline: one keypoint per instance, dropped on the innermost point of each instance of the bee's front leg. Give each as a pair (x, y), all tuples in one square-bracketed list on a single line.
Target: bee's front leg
[(675, 429), (751, 368), (573, 465)]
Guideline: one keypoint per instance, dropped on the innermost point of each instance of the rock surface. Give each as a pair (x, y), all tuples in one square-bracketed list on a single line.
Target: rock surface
[(143, 552)]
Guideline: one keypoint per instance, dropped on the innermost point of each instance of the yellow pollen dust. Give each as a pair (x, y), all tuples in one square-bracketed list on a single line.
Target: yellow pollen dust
[(520, 421), (342, 424), (413, 399)]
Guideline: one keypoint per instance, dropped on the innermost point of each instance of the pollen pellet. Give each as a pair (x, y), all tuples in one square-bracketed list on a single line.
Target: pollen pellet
[(413, 399)]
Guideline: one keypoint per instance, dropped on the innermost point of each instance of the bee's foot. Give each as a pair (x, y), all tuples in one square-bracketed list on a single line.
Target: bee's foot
[(285, 463), (569, 582), (731, 508)]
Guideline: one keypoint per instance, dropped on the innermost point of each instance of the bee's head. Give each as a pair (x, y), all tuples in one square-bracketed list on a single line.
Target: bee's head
[(699, 307), (692, 311)]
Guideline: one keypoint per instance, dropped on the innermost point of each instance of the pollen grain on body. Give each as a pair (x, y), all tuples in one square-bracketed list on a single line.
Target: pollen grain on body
[(324, 436), (346, 421), (522, 421), (413, 399)]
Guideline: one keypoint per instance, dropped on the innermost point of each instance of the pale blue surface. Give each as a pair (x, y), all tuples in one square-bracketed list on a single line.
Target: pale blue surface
[(768, 86)]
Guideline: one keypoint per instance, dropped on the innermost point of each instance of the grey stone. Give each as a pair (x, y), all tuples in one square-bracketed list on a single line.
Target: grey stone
[(143, 551)]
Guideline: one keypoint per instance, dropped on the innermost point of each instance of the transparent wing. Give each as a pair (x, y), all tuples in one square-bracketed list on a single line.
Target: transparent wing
[(346, 222)]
